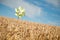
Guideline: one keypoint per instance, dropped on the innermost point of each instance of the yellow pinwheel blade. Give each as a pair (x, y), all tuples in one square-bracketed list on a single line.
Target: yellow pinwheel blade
[(20, 12)]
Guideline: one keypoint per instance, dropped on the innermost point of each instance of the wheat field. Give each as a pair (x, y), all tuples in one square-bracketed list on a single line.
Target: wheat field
[(13, 29)]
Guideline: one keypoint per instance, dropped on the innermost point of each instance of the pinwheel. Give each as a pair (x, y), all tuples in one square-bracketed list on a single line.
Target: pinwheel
[(19, 12)]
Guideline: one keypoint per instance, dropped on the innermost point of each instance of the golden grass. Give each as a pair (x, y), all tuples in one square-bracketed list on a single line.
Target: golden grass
[(12, 29)]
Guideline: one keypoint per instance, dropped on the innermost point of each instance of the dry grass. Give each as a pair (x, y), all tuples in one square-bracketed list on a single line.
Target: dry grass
[(12, 29)]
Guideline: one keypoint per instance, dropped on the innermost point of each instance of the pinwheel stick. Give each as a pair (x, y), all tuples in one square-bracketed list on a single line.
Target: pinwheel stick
[(18, 17)]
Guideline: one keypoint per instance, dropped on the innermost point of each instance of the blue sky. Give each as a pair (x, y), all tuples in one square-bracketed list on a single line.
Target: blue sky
[(41, 11)]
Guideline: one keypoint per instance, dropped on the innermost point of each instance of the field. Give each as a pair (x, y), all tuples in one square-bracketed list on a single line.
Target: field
[(13, 29)]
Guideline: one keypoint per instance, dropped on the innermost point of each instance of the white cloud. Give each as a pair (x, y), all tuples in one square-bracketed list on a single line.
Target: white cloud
[(31, 10), (57, 23), (55, 15), (53, 2)]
